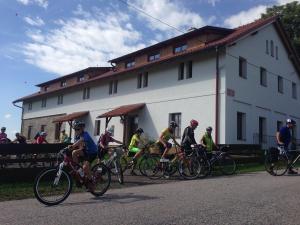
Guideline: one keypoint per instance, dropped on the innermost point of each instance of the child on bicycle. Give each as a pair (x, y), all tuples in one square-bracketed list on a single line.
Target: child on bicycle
[(85, 149)]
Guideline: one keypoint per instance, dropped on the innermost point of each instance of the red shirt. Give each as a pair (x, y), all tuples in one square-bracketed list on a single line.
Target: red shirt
[(105, 139), (40, 140)]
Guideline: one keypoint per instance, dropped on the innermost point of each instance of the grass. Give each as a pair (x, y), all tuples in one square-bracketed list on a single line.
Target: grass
[(23, 190)]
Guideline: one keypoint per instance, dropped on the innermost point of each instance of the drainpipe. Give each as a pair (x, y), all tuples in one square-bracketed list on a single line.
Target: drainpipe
[(21, 116), (217, 97)]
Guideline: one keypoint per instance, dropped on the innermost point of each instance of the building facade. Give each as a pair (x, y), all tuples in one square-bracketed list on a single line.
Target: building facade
[(243, 82)]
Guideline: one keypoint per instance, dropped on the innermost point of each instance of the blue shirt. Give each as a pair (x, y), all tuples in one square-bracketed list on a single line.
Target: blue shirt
[(90, 146), (285, 136)]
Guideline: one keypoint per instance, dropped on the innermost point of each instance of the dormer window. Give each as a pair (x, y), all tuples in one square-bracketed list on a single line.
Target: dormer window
[(180, 48), (80, 78), (63, 83), (130, 64), (154, 57)]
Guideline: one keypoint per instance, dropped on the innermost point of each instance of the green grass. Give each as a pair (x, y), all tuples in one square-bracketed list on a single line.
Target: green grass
[(22, 190)]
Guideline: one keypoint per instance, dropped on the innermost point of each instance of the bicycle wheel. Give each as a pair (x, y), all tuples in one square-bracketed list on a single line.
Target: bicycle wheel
[(269, 163), (205, 167), (227, 164), (146, 163), (280, 166), (102, 179), (51, 189), (118, 171), (189, 168), (151, 167)]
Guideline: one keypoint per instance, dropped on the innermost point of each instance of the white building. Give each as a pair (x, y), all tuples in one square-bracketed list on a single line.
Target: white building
[(243, 82)]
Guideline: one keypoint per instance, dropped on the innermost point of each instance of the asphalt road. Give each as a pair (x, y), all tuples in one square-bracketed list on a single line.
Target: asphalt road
[(255, 198)]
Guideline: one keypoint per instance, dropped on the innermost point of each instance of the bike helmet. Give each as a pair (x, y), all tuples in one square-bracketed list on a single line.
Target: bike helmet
[(139, 130), (290, 121), (194, 123), (43, 134), (173, 124), (209, 129), (78, 125)]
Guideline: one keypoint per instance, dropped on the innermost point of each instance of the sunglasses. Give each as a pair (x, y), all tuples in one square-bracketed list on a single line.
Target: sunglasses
[(77, 129)]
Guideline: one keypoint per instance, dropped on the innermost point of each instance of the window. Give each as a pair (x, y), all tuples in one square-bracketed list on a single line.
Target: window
[(272, 48), (280, 84), (263, 77), (276, 52), (46, 88), (262, 130), (176, 117), (115, 86), (241, 126), (29, 106), (180, 48), (57, 131), (129, 64), (60, 99), (43, 128), (44, 103), (29, 131), (80, 78), (97, 127), (153, 57), (139, 80), (242, 67), (294, 132), (294, 90), (279, 125), (86, 93), (267, 47), (145, 81), (181, 71), (110, 87), (189, 70), (63, 83)]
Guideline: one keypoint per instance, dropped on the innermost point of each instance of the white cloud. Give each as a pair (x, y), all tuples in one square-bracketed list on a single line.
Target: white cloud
[(34, 22), (7, 116), (80, 42), (283, 2), (42, 3), (245, 17), (171, 12)]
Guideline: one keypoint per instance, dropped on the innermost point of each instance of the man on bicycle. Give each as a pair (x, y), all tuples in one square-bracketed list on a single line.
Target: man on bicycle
[(164, 137), (188, 137), (284, 138), (84, 148), (104, 141), (134, 148), (20, 139), (207, 142), (3, 136)]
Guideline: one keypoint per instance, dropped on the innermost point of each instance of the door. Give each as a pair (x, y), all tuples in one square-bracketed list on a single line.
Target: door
[(131, 124)]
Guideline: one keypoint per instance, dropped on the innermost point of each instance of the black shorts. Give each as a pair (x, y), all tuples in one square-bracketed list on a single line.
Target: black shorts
[(88, 157), (162, 147)]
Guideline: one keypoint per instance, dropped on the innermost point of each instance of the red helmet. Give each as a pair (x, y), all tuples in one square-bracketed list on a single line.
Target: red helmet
[(194, 123)]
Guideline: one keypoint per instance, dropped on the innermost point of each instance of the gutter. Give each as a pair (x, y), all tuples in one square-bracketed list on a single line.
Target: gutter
[(217, 97)]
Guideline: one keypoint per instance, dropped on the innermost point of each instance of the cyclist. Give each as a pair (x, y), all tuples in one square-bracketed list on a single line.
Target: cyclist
[(104, 141), (3, 136), (41, 139), (164, 137), (134, 148), (20, 139), (188, 137), (284, 137), (84, 148), (207, 141)]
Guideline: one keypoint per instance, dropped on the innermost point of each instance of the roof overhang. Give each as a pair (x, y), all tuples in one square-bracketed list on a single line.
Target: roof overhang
[(70, 117), (123, 110)]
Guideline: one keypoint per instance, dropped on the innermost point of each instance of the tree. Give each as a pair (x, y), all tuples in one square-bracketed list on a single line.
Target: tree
[(290, 17)]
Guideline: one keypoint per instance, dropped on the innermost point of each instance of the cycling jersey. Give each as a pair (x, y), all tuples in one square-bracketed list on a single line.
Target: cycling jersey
[(105, 139), (285, 136), (188, 137), (40, 140), (135, 140), (3, 136), (90, 146), (208, 141), (167, 135)]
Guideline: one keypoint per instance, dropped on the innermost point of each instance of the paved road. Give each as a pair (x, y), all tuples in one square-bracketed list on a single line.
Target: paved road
[(256, 198)]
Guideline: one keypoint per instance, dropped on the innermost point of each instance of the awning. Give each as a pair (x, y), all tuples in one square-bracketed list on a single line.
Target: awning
[(123, 110), (70, 117)]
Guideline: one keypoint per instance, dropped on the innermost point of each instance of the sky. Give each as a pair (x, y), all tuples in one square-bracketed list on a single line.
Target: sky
[(44, 39)]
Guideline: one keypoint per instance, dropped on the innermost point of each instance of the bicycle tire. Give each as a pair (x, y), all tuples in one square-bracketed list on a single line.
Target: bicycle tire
[(205, 167), (280, 166), (119, 172), (189, 168), (102, 170), (152, 168), (227, 164), (37, 188)]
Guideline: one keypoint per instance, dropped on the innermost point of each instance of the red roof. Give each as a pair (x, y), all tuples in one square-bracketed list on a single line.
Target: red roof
[(70, 117), (232, 37), (123, 110)]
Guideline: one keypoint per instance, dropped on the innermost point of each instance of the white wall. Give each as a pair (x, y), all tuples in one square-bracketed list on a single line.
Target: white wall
[(252, 98)]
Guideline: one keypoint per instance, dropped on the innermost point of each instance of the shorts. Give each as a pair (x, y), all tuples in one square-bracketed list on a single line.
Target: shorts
[(134, 150), (88, 157), (162, 147)]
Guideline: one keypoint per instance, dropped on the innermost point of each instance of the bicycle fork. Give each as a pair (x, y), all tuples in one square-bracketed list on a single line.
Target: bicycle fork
[(58, 174)]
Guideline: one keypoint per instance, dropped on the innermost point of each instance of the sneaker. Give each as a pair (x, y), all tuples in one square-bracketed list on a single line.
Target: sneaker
[(164, 160), (292, 172)]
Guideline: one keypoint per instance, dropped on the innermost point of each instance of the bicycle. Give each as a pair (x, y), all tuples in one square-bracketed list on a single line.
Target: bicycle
[(53, 186), (187, 166), (114, 164), (277, 162), (220, 159)]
